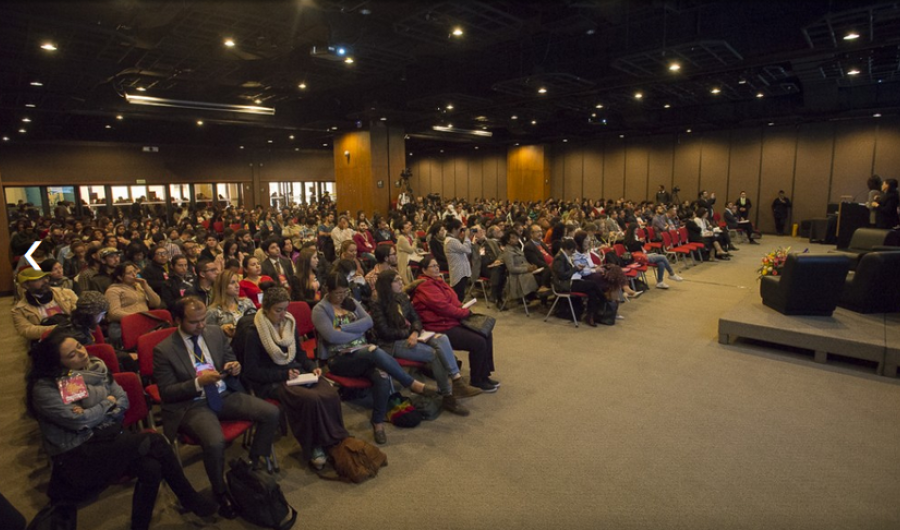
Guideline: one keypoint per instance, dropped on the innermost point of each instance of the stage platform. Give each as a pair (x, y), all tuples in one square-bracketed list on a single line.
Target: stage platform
[(873, 338)]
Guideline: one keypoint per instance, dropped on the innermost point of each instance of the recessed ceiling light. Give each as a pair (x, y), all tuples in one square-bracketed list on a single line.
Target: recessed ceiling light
[(442, 150), (200, 122), (37, 83), (257, 101), (457, 32), (593, 115), (383, 118), (296, 149), (674, 67), (621, 136), (851, 36), (484, 127), (120, 117), (542, 90), (26, 120), (449, 106), (6, 138), (302, 86), (853, 71), (334, 128), (667, 106), (716, 90), (876, 115), (50, 47), (638, 95), (590, 31), (349, 60), (565, 140), (324, 145), (291, 137), (760, 95), (514, 117), (476, 147), (688, 131), (108, 127), (229, 43), (268, 141), (771, 123), (517, 143), (534, 122), (30, 105), (598, 106), (23, 131), (141, 89), (365, 11), (449, 125), (241, 147), (742, 81)]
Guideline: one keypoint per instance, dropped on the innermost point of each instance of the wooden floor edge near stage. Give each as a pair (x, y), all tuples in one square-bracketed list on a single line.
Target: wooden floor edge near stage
[(874, 337)]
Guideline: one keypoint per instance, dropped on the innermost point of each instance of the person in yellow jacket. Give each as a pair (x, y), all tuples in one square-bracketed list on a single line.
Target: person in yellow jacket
[(39, 302)]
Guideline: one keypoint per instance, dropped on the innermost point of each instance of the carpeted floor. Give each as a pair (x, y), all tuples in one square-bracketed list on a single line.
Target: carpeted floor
[(650, 424)]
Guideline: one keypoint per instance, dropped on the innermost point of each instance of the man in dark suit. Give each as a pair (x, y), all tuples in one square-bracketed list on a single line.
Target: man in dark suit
[(197, 375), (538, 254), (276, 266)]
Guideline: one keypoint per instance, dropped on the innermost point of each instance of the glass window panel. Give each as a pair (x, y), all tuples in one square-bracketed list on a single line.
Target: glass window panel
[(181, 194), (203, 193), (138, 192), (30, 194), (155, 195), (121, 195), (229, 193), (93, 196), (55, 194)]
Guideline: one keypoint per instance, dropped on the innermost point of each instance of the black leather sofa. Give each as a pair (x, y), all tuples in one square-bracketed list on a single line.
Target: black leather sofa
[(875, 285)]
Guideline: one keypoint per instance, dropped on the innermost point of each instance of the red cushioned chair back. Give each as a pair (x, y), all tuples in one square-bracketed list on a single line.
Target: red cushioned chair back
[(145, 345), (105, 353), (137, 404), (133, 326)]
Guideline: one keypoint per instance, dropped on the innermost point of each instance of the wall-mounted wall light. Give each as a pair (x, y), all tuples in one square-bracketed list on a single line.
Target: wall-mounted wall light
[(347, 155)]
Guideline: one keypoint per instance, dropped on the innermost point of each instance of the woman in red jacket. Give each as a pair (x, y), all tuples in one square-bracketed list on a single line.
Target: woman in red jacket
[(440, 311)]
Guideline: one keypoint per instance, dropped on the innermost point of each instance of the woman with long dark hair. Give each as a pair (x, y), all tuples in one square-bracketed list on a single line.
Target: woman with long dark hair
[(341, 324), (79, 408), (399, 332)]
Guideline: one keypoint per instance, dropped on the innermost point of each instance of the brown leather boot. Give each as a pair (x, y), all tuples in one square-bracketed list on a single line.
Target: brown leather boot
[(462, 390), (453, 406)]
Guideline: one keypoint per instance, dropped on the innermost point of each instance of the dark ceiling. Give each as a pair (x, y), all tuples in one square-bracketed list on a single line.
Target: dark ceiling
[(784, 61)]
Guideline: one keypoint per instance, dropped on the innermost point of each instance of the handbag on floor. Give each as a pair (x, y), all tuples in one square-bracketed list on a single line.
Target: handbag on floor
[(479, 323), (258, 497)]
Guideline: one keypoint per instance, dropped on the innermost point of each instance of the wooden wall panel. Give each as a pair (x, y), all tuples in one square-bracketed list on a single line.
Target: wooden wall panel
[(614, 169), (573, 173), (686, 166), (502, 170), (778, 152), (636, 171), (854, 150), (461, 177), (815, 144), (447, 176), (354, 185), (714, 166), (557, 173), (528, 173), (592, 183), (476, 177), (661, 163), (492, 174), (744, 168), (887, 149)]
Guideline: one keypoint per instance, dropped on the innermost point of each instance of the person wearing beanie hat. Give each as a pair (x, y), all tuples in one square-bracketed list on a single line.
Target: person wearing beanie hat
[(83, 323), (39, 302)]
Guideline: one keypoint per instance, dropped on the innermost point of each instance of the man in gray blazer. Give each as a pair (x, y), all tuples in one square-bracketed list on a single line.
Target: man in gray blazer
[(196, 370)]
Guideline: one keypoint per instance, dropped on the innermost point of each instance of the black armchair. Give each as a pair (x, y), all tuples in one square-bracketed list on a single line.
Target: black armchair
[(865, 240), (810, 284), (875, 286)]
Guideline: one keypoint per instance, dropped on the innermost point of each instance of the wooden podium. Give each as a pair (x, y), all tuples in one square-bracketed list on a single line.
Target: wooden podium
[(851, 216)]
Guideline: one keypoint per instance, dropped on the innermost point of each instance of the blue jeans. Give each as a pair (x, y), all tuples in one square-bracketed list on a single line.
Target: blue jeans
[(662, 264), (365, 363), (437, 352)]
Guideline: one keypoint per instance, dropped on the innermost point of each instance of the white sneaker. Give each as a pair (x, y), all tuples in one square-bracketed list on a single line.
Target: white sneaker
[(676, 277), (662, 285), (620, 317), (318, 459)]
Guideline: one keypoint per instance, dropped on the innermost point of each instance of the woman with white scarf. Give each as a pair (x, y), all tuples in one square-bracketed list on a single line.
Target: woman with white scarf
[(271, 358)]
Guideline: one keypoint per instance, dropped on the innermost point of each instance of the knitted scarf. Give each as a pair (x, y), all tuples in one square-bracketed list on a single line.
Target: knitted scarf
[(272, 342)]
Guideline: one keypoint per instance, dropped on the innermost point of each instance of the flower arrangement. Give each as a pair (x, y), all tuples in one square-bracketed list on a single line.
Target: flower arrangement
[(773, 262)]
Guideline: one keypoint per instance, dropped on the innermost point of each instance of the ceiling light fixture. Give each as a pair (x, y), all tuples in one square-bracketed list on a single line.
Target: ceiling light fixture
[(876, 115), (771, 123), (141, 89), (200, 123), (667, 106), (760, 94), (514, 117), (26, 120), (674, 67), (49, 46), (349, 60), (120, 117), (449, 106), (291, 137), (476, 148), (565, 140), (851, 36), (716, 90), (30, 105), (241, 147), (598, 106), (383, 118), (23, 131), (197, 105), (742, 81), (853, 71), (334, 128), (324, 145), (257, 101), (457, 32), (6, 138), (542, 90), (534, 122), (37, 83), (268, 141), (451, 129), (108, 127), (302, 86), (229, 43), (688, 131), (638, 95)]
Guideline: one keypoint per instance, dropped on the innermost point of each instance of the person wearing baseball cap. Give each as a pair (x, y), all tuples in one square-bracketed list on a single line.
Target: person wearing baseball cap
[(39, 302), (109, 259)]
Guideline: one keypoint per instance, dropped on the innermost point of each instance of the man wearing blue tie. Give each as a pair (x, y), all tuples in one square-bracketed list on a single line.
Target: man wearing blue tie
[(196, 370)]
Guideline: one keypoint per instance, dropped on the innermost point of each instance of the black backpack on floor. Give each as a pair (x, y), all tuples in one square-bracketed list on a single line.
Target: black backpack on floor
[(258, 497)]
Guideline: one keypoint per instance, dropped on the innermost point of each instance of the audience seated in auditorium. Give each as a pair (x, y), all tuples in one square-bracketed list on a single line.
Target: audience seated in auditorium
[(39, 302)]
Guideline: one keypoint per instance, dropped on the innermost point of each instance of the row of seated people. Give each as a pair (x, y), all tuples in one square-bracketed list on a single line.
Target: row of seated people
[(199, 381)]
